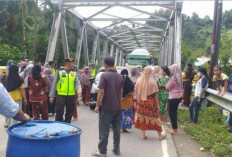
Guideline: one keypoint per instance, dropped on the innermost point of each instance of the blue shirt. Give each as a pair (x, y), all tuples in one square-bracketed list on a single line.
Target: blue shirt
[(8, 107)]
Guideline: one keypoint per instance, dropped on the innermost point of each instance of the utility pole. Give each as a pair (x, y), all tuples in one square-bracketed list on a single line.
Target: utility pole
[(215, 37)]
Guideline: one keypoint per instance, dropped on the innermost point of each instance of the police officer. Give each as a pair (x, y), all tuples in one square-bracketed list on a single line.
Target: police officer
[(93, 71), (65, 84)]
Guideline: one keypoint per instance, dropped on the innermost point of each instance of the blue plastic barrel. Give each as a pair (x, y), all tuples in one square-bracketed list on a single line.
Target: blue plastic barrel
[(43, 139)]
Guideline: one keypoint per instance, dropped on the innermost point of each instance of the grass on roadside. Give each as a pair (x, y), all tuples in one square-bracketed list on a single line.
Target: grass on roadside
[(211, 131)]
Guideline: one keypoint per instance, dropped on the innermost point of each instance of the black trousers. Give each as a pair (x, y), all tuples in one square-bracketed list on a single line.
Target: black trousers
[(69, 103), (173, 106), (105, 119), (51, 107)]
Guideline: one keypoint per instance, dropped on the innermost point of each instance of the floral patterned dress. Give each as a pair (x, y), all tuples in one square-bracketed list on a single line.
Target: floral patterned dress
[(147, 117), (163, 94)]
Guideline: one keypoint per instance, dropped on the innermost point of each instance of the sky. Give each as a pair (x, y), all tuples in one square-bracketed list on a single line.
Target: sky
[(203, 8)]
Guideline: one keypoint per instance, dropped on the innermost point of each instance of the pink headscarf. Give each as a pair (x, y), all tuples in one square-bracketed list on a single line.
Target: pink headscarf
[(85, 77), (177, 74), (146, 85)]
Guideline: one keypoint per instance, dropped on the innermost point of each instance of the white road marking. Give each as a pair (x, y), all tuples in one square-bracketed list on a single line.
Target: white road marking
[(164, 145)]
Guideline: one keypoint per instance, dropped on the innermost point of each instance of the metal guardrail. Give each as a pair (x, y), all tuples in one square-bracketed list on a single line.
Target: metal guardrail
[(223, 101)]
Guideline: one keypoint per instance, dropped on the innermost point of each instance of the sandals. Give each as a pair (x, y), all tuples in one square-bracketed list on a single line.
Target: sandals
[(96, 154), (163, 137), (144, 138)]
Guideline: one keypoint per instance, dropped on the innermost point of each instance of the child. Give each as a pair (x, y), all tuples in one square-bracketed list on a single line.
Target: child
[(221, 80), (201, 86)]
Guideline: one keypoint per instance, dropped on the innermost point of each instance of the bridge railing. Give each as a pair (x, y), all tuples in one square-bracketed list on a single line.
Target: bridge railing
[(224, 102)]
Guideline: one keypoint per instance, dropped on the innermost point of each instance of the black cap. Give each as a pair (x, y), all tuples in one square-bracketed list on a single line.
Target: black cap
[(69, 60)]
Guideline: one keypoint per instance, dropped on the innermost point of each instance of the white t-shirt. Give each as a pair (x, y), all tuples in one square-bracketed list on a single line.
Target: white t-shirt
[(202, 83), (8, 107)]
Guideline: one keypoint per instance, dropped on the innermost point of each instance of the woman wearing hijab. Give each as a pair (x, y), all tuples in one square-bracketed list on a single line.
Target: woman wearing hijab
[(148, 104), (37, 93), (157, 73), (127, 102), (15, 86), (25, 74), (49, 80), (135, 74), (175, 87), (86, 85)]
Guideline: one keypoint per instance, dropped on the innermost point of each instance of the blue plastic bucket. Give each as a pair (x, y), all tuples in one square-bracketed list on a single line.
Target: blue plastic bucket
[(43, 139)]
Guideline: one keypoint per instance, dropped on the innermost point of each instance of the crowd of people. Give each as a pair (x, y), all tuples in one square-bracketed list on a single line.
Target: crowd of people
[(43, 90), (139, 97)]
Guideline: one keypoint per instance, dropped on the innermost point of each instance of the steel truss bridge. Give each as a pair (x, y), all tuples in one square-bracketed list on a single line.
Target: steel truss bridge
[(134, 15)]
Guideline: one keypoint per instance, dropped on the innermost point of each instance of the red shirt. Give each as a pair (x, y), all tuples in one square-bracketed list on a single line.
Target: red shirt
[(37, 89)]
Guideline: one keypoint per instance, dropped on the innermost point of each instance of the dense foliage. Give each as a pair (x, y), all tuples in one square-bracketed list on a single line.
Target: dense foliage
[(211, 131)]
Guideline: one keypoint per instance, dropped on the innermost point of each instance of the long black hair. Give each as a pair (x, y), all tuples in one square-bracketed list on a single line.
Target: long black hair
[(36, 70), (13, 80), (166, 70), (203, 71), (128, 86)]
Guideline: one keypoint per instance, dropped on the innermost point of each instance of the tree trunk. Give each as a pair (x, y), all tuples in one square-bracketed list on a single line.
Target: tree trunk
[(23, 7), (35, 31)]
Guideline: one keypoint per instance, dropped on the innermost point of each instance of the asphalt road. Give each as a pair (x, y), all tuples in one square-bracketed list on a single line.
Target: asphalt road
[(131, 144)]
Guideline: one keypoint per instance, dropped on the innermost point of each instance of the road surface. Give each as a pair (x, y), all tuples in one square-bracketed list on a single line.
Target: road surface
[(131, 144)]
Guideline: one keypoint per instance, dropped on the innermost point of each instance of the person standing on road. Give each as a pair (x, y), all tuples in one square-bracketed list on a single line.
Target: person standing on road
[(9, 108), (148, 104), (49, 79), (127, 101), (109, 107), (135, 74), (66, 84), (15, 86), (86, 85), (175, 87), (93, 71), (37, 93), (201, 86), (25, 74), (189, 76), (163, 93)]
